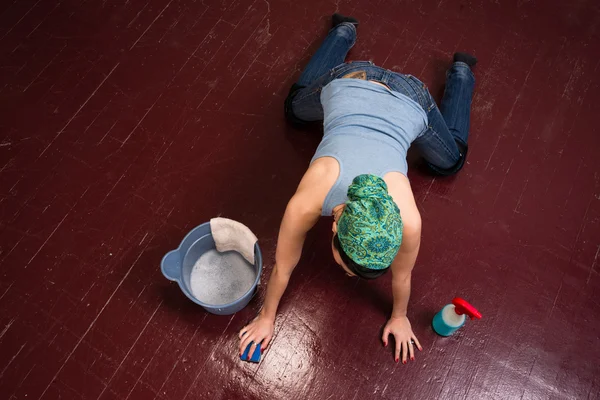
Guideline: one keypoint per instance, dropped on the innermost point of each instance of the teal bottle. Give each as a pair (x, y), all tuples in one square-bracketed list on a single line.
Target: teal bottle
[(452, 317)]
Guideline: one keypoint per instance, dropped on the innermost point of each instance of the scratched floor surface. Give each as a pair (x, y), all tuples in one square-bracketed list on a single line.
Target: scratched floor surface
[(123, 124)]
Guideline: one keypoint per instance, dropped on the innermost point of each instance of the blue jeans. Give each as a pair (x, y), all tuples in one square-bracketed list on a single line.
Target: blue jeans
[(443, 144)]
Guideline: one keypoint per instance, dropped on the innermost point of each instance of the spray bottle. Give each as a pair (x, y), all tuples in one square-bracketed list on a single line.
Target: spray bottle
[(452, 317)]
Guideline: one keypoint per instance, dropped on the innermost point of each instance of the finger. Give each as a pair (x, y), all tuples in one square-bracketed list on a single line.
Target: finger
[(243, 332), (245, 342), (397, 352), (251, 352), (266, 342), (411, 350), (417, 343), (404, 351), (384, 338)]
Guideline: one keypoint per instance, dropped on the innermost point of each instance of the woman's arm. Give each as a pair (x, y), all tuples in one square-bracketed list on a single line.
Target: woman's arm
[(398, 325), (297, 221), (301, 214), (403, 265)]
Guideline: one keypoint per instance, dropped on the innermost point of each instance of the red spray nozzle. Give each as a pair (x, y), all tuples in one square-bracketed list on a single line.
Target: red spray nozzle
[(461, 306)]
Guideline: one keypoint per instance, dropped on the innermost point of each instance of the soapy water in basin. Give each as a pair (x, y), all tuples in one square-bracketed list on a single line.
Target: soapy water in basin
[(221, 278)]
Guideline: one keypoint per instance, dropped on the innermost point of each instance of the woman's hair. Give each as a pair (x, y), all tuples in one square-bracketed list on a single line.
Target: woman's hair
[(365, 273)]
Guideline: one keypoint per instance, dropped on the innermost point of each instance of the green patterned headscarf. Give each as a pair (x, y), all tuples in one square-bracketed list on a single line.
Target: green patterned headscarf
[(370, 228)]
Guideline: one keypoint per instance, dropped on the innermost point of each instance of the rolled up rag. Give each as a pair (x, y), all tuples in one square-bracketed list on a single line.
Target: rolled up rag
[(230, 235)]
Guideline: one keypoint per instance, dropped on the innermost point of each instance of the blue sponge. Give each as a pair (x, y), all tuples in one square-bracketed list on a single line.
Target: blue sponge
[(255, 357)]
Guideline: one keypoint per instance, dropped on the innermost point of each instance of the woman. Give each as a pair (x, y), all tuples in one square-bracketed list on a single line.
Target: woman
[(358, 175)]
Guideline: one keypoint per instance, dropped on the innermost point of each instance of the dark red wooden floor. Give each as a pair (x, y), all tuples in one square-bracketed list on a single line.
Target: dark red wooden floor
[(123, 124)]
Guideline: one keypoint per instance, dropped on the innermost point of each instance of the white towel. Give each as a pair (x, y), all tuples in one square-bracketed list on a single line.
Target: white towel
[(232, 235)]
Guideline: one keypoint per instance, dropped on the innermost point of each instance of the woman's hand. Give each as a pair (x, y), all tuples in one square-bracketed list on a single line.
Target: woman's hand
[(259, 331), (400, 328)]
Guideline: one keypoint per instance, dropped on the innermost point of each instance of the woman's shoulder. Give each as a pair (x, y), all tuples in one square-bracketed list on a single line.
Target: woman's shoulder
[(317, 181), (400, 190)]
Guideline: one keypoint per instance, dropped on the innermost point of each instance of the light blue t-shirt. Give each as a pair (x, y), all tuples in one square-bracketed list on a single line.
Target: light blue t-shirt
[(368, 130)]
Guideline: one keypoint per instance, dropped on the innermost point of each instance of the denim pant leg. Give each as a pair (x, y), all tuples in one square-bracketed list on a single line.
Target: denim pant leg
[(444, 143), (330, 54)]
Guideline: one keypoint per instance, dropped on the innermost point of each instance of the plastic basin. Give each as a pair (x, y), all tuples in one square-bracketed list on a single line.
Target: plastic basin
[(177, 266)]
